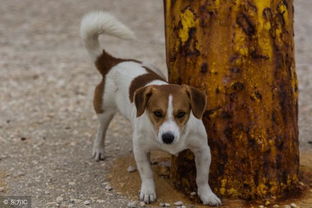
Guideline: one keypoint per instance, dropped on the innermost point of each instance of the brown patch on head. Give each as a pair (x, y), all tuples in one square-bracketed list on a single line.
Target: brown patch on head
[(181, 108), (157, 105), (104, 63), (198, 100), (141, 98), (143, 80), (159, 101), (184, 99)]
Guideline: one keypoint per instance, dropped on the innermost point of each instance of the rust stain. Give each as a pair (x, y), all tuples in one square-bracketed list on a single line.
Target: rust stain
[(245, 23)]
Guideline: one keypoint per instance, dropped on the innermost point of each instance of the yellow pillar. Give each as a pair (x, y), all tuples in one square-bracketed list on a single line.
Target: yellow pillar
[(242, 54)]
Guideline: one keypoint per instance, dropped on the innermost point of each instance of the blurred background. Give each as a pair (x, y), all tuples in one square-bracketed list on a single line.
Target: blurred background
[(47, 122)]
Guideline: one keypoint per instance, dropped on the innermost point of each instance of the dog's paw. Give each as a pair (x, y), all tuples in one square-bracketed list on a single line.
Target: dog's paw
[(98, 153), (147, 193), (209, 198)]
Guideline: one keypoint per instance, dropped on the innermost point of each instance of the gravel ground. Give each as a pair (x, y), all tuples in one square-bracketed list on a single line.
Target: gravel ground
[(47, 122)]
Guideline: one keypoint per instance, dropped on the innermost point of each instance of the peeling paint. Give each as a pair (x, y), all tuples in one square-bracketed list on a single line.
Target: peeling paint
[(187, 22), (262, 5)]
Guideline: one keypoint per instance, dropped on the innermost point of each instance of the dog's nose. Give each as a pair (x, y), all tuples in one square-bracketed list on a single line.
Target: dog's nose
[(167, 138)]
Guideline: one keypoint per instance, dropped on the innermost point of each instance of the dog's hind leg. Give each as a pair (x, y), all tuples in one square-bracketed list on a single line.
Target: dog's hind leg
[(98, 151)]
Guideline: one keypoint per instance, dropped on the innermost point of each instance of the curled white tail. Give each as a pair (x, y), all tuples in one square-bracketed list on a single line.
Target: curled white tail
[(96, 23)]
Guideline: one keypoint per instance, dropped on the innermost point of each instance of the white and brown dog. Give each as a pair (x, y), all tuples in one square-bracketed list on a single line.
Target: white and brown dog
[(164, 116)]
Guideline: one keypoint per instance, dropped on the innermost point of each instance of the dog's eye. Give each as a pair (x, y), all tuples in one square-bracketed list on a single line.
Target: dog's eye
[(158, 114), (181, 114)]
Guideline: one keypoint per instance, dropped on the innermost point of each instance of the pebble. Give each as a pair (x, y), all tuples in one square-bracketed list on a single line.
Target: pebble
[(178, 203), (164, 205), (287, 206), (132, 204), (51, 204), (261, 206), (100, 201), (71, 183), (293, 205), (142, 204), (18, 174), (193, 193), (93, 198), (87, 202), (59, 199), (1, 189), (108, 188), (275, 206), (77, 200), (131, 169)]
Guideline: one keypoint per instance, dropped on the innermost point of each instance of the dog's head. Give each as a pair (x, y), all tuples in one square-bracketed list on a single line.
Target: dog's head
[(169, 107)]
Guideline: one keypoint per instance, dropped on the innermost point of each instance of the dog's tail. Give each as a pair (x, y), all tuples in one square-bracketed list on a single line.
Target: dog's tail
[(95, 23)]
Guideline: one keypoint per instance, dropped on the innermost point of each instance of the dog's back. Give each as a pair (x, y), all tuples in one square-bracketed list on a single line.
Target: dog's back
[(120, 76)]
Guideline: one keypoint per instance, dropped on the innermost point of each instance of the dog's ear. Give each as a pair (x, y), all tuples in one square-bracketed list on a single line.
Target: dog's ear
[(198, 100), (141, 97)]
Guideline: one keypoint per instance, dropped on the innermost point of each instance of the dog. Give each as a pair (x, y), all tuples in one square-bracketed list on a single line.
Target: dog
[(163, 116)]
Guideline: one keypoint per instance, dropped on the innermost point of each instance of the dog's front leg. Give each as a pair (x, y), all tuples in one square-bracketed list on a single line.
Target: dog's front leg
[(147, 193), (202, 160)]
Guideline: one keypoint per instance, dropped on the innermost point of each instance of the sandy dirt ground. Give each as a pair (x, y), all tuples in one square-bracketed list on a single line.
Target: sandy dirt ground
[(47, 122)]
